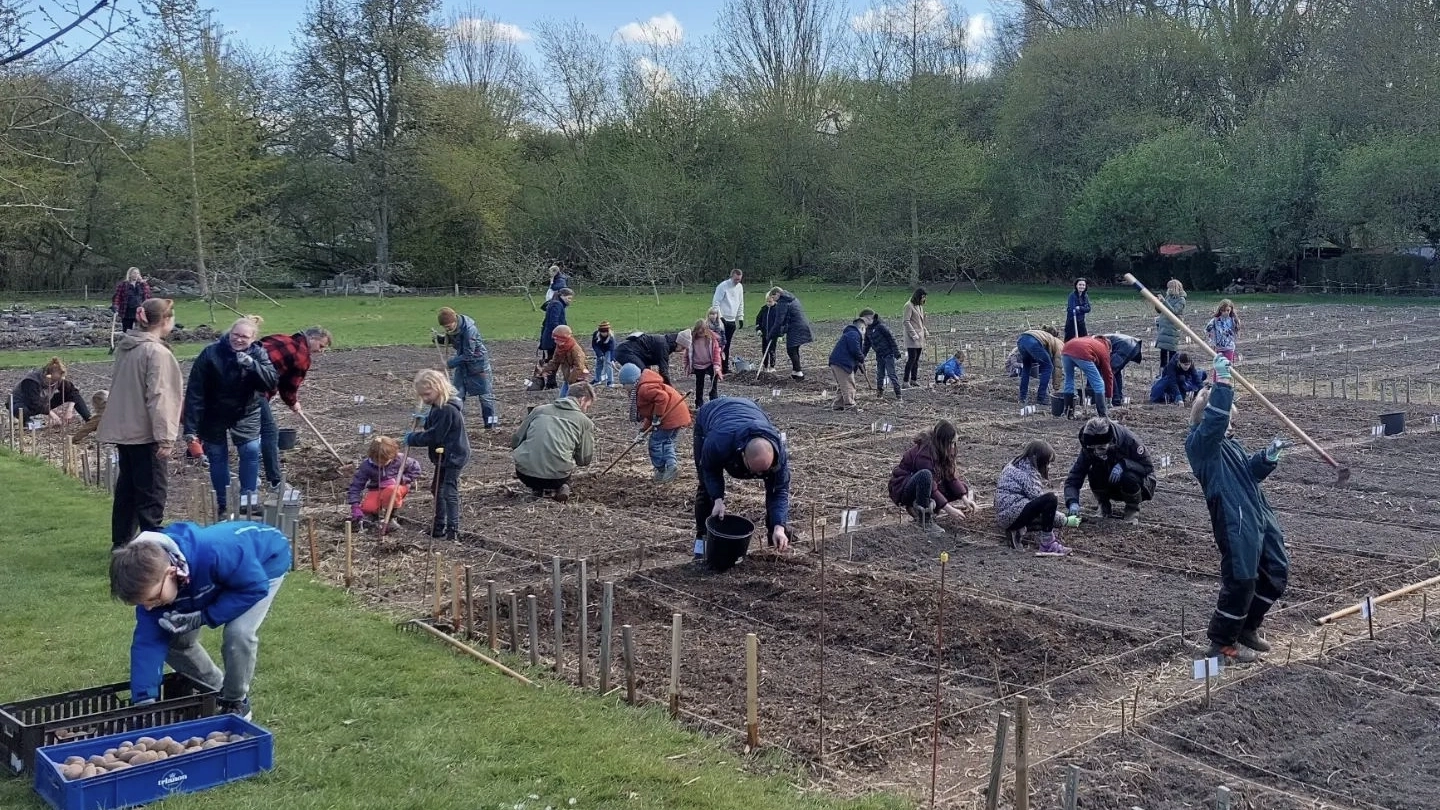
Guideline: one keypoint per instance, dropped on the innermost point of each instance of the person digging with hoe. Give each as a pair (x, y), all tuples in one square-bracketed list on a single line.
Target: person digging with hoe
[(662, 411), (291, 356), (1254, 568), (734, 435), (186, 577)]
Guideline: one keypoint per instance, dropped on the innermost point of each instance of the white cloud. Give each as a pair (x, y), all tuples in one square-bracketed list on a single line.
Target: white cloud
[(479, 29), (927, 15), (654, 77), (661, 31), (979, 37)]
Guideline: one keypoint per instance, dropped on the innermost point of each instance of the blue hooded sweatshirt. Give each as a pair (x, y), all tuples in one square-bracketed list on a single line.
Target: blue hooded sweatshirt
[(722, 429), (226, 570)]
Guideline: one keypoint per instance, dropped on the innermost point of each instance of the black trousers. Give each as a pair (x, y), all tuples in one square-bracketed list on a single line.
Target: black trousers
[(546, 355), (917, 488), (445, 486), (912, 364), (1131, 489), (1038, 514), (541, 484), (767, 357), (1243, 603), (141, 486), (702, 374), (1165, 355), (127, 322), (729, 336), (794, 353)]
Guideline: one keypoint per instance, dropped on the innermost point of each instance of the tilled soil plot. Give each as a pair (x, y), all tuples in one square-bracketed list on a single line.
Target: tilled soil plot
[(1076, 635), (1302, 726), (1404, 658)]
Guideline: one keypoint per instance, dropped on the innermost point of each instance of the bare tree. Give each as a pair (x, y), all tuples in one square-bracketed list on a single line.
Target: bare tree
[(482, 55), (775, 53), (572, 91)]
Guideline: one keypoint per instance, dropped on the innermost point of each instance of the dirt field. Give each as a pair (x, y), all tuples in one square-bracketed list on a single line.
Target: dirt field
[(1077, 636)]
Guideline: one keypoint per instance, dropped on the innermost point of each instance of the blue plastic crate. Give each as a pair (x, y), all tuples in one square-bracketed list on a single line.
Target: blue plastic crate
[(155, 780)]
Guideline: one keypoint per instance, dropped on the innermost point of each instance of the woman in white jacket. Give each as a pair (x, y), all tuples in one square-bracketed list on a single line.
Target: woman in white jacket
[(914, 336)]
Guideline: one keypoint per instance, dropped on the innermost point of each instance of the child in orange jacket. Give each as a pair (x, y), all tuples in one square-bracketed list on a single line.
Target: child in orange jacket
[(662, 410)]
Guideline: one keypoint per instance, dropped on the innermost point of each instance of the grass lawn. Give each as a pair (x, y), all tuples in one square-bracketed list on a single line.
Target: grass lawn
[(363, 716), (359, 321)]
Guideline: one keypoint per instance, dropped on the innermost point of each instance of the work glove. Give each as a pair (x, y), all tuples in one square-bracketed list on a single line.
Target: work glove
[(1072, 521), (740, 323), (655, 421), (1272, 451), (1222, 368), (410, 439), (356, 514), (718, 510), (193, 448), (1115, 473), (181, 623), (1074, 509), (245, 360)]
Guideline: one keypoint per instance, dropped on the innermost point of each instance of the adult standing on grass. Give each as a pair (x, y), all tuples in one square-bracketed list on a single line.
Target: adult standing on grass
[(227, 384), (1167, 334), (470, 370), (187, 577), (787, 317), (553, 440), (733, 435), (662, 410), (291, 356), (554, 316), (142, 420), (914, 336), (558, 281), (1092, 356), (1076, 309), (1124, 350), (129, 295), (45, 393), (1039, 349), (730, 300), (1254, 568)]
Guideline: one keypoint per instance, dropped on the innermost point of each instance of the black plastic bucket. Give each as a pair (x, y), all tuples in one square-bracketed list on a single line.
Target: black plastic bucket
[(726, 541), (1394, 423), (288, 437)]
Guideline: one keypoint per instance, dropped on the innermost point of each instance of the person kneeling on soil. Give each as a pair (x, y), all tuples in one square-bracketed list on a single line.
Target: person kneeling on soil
[(1179, 381), (1024, 502), (185, 577), (951, 371), (1254, 568), (553, 440), (734, 435), (926, 479), (567, 361), (380, 478), (449, 447), (46, 394), (1118, 466), (662, 410)]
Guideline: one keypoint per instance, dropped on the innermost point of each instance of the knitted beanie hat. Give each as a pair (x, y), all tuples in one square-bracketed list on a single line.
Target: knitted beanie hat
[(629, 374), (1097, 431)]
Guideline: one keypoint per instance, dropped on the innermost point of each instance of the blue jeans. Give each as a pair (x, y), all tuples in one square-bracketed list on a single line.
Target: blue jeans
[(1033, 353), (662, 448), (478, 385), (269, 443), (603, 372), (885, 367), (1093, 380), (218, 454)]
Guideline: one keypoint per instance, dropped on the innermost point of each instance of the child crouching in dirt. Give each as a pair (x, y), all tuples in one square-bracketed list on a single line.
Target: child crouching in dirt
[(951, 371), (379, 479), (98, 401), (1025, 503), (444, 437)]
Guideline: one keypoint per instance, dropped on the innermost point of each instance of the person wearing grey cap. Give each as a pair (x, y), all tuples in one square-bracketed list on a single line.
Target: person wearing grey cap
[(1117, 465)]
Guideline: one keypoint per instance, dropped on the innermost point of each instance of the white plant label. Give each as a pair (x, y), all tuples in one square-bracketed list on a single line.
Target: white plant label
[(775, 393), (849, 520), (1367, 608), (1205, 667), (359, 399)]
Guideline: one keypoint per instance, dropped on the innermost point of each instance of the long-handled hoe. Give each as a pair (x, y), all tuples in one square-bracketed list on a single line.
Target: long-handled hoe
[(400, 476)]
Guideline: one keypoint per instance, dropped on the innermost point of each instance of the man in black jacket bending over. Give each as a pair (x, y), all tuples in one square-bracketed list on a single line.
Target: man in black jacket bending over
[(1118, 466)]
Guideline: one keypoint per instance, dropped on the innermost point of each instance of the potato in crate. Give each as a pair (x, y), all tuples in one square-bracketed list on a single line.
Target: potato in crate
[(124, 770), (26, 725)]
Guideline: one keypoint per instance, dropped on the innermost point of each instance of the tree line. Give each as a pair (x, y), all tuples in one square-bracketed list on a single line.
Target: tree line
[(1283, 140)]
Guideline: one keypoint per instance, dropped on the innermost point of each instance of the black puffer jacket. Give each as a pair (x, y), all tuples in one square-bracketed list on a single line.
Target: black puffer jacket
[(222, 396), (788, 318)]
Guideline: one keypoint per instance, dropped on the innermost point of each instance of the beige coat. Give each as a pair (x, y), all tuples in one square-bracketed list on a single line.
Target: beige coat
[(914, 326), (1055, 346), (146, 393)]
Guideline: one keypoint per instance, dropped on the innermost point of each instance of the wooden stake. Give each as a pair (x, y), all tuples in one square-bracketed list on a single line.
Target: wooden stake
[(1022, 752), (1072, 787), (627, 648), (533, 627), (492, 616), (607, 610), (314, 555), (1424, 606), (1222, 798), (939, 670), (675, 622), (439, 585), (997, 761), (752, 691), (820, 703), (584, 626), (1207, 693), (559, 614), (349, 554), (1135, 707), (469, 603), (512, 602), (457, 572)]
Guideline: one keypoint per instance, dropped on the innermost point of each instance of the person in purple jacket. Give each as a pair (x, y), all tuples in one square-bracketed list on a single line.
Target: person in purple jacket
[(927, 479), (185, 577)]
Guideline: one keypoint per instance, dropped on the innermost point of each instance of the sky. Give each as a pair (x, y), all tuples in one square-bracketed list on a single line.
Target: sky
[(273, 24)]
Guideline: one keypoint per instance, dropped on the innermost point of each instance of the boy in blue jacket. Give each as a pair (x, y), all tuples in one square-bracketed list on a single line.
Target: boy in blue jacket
[(953, 370), (1179, 381), (185, 577), (847, 357)]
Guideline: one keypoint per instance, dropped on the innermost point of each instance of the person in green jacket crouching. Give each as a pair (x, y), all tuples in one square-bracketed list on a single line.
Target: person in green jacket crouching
[(552, 441)]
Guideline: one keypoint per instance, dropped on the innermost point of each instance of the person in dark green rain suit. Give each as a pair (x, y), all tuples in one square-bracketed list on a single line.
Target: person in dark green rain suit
[(1254, 568)]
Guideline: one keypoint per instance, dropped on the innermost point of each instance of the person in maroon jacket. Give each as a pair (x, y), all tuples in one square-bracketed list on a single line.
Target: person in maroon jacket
[(1092, 356), (290, 354), (927, 480), (129, 295)]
